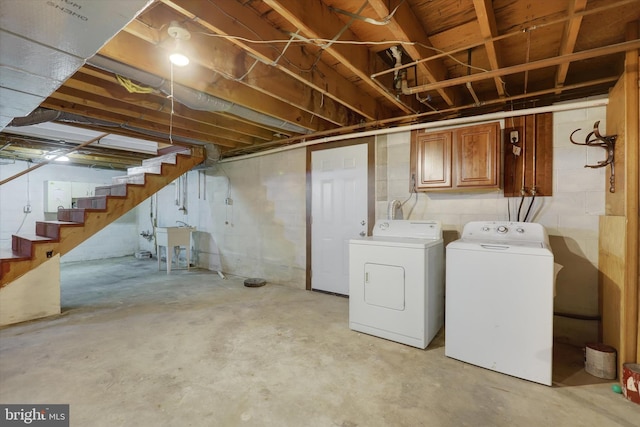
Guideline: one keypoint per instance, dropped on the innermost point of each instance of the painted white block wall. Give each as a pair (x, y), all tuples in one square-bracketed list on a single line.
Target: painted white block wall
[(261, 233), (570, 215), (117, 239)]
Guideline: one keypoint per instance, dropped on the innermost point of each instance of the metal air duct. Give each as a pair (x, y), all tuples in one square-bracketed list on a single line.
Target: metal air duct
[(192, 98)]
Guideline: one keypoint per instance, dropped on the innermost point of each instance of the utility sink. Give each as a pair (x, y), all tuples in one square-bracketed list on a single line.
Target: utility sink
[(170, 238)]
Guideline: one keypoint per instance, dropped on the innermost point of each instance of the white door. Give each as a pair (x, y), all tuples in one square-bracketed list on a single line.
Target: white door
[(338, 213)]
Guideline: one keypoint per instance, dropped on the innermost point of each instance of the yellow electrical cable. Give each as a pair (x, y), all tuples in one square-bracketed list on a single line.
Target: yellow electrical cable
[(132, 87)]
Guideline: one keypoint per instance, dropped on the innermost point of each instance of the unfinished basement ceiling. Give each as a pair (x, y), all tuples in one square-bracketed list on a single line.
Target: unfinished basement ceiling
[(263, 74)]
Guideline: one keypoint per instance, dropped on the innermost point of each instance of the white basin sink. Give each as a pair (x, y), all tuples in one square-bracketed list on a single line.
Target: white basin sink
[(170, 237)]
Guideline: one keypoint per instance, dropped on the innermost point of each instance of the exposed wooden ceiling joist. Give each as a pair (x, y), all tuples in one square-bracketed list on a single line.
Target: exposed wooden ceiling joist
[(315, 21), (569, 37), (266, 73)]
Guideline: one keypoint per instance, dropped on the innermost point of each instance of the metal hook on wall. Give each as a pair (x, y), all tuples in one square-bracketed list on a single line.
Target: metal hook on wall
[(606, 142)]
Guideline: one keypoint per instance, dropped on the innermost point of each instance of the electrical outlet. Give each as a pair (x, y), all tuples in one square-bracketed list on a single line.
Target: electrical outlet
[(26, 209), (228, 201), (514, 137)]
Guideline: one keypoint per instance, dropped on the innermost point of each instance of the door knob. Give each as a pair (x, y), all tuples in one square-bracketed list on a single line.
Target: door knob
[(362, 233), (363, 222)]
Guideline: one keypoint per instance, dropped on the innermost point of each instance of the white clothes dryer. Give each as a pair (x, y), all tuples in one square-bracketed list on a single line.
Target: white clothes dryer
[(396, 282), (499, 299)]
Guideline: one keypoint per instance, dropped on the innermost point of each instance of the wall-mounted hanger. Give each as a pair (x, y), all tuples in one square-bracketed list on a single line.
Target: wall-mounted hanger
[(606, 142)]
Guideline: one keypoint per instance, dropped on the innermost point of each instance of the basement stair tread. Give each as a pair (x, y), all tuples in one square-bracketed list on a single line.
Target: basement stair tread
[(15, 263), (83, 209), (8, 254), (69, 223), (35, 237)]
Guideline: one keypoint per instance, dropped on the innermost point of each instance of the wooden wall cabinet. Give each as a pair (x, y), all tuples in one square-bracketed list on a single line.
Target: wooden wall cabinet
[(457, 159), (528, 164)]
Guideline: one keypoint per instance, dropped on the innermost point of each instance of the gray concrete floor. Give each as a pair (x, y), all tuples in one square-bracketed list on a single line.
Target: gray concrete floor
[(135, 347)]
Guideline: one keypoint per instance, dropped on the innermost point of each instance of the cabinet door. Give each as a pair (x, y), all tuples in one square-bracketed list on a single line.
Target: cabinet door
[(57, 194), (476, 153), (432, 154), (81, 189)]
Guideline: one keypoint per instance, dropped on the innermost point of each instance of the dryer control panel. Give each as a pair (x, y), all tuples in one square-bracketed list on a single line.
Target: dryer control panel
[(505, 231), (408, 228)]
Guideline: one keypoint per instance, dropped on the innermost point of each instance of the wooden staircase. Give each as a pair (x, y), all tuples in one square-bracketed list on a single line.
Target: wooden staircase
[(92, 214)]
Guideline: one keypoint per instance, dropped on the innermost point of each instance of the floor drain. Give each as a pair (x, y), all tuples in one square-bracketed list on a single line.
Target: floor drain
[(254, 282)]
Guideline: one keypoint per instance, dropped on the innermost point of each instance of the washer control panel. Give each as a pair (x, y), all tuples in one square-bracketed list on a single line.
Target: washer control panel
[(505, 231)]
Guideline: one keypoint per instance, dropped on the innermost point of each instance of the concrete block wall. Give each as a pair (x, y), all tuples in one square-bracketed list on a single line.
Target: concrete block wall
[(117, 239), (250, 217), (570, 215)]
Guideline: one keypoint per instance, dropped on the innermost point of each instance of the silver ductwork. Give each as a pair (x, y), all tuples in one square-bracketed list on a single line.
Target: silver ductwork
[(43, 115), (194, 99), (39, 115)]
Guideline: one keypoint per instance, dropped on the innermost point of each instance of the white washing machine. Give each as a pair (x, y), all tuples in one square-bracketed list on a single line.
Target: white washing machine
[(499, 299), (396, 282)]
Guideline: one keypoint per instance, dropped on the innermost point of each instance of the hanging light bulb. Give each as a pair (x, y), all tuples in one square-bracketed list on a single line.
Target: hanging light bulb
[(177, 56), (179, 59)]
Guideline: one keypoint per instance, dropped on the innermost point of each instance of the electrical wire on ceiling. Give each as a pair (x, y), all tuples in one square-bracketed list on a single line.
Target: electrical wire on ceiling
[(384, 21), (526, 61), (319, 42), (323, 44), (322, 41), (172, 110), (132, 87), (336, 37)]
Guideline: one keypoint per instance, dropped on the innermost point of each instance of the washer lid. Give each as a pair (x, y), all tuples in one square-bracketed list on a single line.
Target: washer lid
[(501, 247)]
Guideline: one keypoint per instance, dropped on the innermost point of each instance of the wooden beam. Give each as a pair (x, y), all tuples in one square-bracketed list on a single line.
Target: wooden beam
[(489, 30), (103, 83), (579, 56), (137, 115), (77, 105), (242, 25), (134, 105), (406, 27), (631, 319), (515, 33), (140, 54), (118, 162), (413, 117), (569, 37), (315, 21), (46, 162)]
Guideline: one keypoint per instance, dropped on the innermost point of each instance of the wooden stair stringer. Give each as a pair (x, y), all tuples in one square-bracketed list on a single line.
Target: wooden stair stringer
[(95, 220)]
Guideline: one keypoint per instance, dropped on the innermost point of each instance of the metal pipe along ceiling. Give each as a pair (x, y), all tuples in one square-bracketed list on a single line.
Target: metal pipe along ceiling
[(192, 98)]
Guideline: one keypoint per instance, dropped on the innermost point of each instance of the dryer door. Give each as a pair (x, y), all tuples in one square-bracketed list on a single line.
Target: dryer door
[(384, 285)]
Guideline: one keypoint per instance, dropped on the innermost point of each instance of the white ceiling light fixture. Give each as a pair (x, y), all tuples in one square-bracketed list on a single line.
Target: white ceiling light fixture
[(180, 34), (56, 157)]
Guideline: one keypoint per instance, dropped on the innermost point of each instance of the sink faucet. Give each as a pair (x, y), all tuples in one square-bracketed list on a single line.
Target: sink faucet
[(184, 224)]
